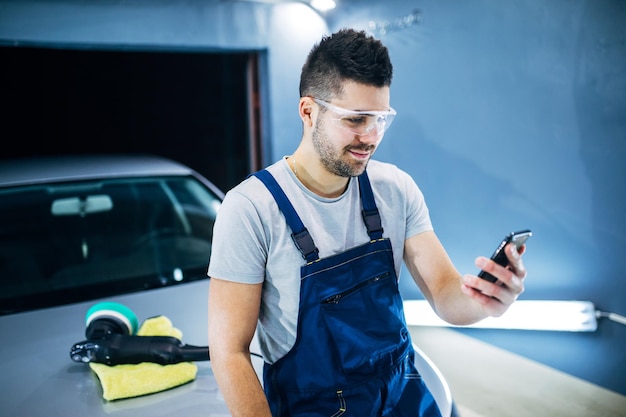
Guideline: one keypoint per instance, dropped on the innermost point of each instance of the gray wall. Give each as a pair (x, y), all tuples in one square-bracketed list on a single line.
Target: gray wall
[(511, 115)]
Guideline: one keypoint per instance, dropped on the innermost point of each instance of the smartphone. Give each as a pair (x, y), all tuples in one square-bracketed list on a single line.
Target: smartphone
[(499, 256)]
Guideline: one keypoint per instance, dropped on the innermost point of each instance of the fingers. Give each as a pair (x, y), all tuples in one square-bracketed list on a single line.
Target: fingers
[(494, 303), (496, 297), (510, 279), (487, 292), (511, 275), (515, 260)]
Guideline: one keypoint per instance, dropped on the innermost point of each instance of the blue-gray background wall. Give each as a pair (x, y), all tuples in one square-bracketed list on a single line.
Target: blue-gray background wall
[(511, 115)]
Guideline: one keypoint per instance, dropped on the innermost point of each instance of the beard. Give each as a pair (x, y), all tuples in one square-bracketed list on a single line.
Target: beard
[(333, 158)]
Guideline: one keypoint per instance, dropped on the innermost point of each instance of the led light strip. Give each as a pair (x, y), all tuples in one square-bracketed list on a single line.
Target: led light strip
[(572, 316)]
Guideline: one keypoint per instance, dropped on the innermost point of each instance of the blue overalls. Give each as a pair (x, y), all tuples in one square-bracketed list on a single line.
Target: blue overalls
[(353, 354)]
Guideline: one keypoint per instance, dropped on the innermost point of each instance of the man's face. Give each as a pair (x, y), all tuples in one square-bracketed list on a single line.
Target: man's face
[(345, 142)]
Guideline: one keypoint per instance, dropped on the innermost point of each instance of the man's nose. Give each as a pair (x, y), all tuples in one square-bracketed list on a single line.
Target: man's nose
[(371, 136)]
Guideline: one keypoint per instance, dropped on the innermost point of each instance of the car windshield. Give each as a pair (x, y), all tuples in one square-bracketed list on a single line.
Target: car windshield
[(68, 242)]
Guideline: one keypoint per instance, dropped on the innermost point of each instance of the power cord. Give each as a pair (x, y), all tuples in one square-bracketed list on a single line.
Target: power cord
[(611, 316)]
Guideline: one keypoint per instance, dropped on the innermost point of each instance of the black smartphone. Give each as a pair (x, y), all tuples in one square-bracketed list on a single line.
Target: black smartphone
[(499, 256)]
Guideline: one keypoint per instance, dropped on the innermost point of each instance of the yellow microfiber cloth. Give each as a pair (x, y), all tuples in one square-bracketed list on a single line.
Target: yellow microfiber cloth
[(133, 380)]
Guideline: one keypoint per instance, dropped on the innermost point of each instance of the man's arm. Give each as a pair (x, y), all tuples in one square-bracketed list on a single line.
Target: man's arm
[(462, 300), (233, 315)]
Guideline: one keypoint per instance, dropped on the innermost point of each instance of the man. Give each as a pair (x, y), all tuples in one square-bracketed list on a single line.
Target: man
[(309, 252)]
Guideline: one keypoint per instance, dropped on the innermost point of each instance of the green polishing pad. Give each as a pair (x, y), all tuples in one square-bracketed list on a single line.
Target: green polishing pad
[(116, 311)]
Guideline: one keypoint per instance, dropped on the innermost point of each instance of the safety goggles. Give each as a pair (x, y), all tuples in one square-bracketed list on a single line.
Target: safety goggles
[(360, 123)]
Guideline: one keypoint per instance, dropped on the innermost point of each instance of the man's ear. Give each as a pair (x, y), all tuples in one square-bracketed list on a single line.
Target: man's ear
[(307, 110)]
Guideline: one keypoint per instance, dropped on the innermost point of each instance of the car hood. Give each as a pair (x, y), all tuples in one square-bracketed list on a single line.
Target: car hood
[(40, 379)]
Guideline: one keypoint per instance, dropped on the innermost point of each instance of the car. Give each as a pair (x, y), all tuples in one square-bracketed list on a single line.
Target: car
[(79, 230), (82, 231)]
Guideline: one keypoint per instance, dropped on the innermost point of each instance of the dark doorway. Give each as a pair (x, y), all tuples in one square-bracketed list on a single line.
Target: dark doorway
[(192, 106)]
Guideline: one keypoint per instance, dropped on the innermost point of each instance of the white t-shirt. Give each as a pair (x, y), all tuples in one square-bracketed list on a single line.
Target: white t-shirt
[(252, 242)]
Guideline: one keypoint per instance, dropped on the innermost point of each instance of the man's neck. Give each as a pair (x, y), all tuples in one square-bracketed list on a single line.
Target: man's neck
[(312, 174)]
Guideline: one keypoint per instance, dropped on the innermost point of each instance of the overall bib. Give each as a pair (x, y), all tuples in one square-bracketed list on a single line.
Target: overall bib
[(353, 354)]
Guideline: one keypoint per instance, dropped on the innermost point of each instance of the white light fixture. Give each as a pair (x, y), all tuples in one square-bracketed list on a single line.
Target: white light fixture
[(323, 5), (573, 316)]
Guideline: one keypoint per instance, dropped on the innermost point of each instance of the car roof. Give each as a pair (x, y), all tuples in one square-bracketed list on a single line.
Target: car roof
[(47, 169)]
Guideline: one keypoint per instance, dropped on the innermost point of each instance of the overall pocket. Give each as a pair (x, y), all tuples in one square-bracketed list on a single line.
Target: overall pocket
[(366, 322)]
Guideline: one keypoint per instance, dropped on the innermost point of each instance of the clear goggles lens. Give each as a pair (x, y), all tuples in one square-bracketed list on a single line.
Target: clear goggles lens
[(360, 123)]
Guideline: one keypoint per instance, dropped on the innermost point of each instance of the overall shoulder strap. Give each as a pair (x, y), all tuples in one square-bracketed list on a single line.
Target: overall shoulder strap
[(300, 235), (370, 213)]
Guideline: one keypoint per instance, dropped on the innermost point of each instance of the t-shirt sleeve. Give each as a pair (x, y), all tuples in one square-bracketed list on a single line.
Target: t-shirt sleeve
[(238, 253), (418, 217)]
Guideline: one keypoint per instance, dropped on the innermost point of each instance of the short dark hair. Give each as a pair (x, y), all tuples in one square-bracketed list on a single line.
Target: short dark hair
[(345, 55)]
